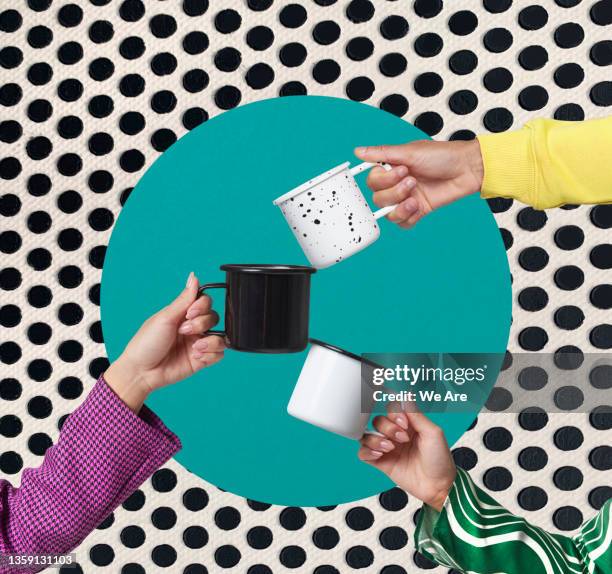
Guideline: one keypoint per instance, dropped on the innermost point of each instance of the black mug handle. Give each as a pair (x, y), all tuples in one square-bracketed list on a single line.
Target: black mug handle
[(201, 292)]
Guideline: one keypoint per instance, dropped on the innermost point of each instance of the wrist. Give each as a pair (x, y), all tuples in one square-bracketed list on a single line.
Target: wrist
[(475, 164), (128, 383), (437, 502)]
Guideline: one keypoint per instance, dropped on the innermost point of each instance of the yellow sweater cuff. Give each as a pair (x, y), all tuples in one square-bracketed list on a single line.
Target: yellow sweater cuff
[(509, 166)]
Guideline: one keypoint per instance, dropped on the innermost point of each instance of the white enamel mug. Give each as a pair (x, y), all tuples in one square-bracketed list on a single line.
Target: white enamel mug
[(330, 217), (328, 393)]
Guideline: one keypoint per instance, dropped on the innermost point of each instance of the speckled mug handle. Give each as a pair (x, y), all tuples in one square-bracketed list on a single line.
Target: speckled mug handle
[(363, 167)]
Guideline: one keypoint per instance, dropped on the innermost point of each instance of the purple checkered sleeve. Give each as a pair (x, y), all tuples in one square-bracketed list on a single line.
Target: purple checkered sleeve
[(104, 452)]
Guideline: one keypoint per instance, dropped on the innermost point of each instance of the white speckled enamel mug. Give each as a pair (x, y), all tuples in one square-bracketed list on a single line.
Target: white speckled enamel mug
[(330, 217)]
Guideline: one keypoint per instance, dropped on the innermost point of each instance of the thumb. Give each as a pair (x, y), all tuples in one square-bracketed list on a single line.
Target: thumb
[(393, 154), (177, 309)]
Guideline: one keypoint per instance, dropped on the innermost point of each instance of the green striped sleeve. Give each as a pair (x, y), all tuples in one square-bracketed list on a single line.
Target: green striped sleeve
[(474, 534)]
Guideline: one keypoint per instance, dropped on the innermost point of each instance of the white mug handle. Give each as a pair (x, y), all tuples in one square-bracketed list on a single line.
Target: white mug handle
[(363, 167)]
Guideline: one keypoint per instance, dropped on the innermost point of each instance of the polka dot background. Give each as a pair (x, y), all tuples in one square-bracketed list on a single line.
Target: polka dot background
[(92, 92)]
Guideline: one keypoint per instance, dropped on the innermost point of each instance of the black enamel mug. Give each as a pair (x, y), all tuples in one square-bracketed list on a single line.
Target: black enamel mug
[(266, 307)]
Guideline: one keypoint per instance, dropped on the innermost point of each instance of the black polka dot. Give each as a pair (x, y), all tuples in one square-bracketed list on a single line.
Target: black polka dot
[(497, 478), (359, 518), (599, 495), (10, 426), (359, 11), (10, 389), (38, 443), (38, 296), (10, 21), (393, 538), (359, 49), (427, 8), (326, 32), (394, 27), (259, 537), (10, 315), (395, 104), (325, 537), (393, 500), (569, 35), (497, 439), (40, 407), (569, 237), (567, 518), (533, 458), (260, 38), (359, 557), (568, 478), (292, 54), (292, 518), (195, 537), (227, 21), (430, 122), (531, 219), (533, 258), (293, 89), (39, 333), (227, 556), (392, 64), (164, 555), (259, 5), (497, 80), (163, 64), (195, 499), (569, 277), (227, 518), (163, 518), (568, 438), (10, 94), (533, 17), (463, 22), (135, 501), (601, 94), (360, 88), (428, 84), (497, 40), (601, 256), (428, 45), (463, 102), (532, 498), (10, 241), (10, 462), (227, 97), (132, 536), (498, 120), (70, 388), (533, 98), (569, 317), (465, 457)]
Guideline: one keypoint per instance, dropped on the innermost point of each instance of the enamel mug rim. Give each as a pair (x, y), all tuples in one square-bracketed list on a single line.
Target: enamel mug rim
[(311, 183)]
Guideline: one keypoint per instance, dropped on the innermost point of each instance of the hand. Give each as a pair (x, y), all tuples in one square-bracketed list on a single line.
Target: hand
[(426, 175), (413, 453), (168, 347)]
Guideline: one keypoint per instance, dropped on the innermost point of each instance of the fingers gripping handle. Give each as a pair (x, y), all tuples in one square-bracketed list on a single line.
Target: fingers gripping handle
[(365, 166), (201, 292)]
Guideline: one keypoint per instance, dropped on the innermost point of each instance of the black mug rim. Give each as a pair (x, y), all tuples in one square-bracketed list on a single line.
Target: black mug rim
[(268, 268), (343, 352)]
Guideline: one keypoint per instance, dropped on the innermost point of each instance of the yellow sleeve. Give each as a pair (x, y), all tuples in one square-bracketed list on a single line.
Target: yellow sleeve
[(549, 163)]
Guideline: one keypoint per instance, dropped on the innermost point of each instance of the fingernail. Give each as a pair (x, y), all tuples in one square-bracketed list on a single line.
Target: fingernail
[(185, 328), (376, 453), (189, 279), (408, 183), (191, 313), (201, 345), (402, 170), (197, 356), (386, 445), (401, 422), (360, 150), (402, 436)]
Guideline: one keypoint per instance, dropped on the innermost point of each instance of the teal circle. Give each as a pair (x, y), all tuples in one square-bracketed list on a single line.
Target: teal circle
[(443, 286)]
